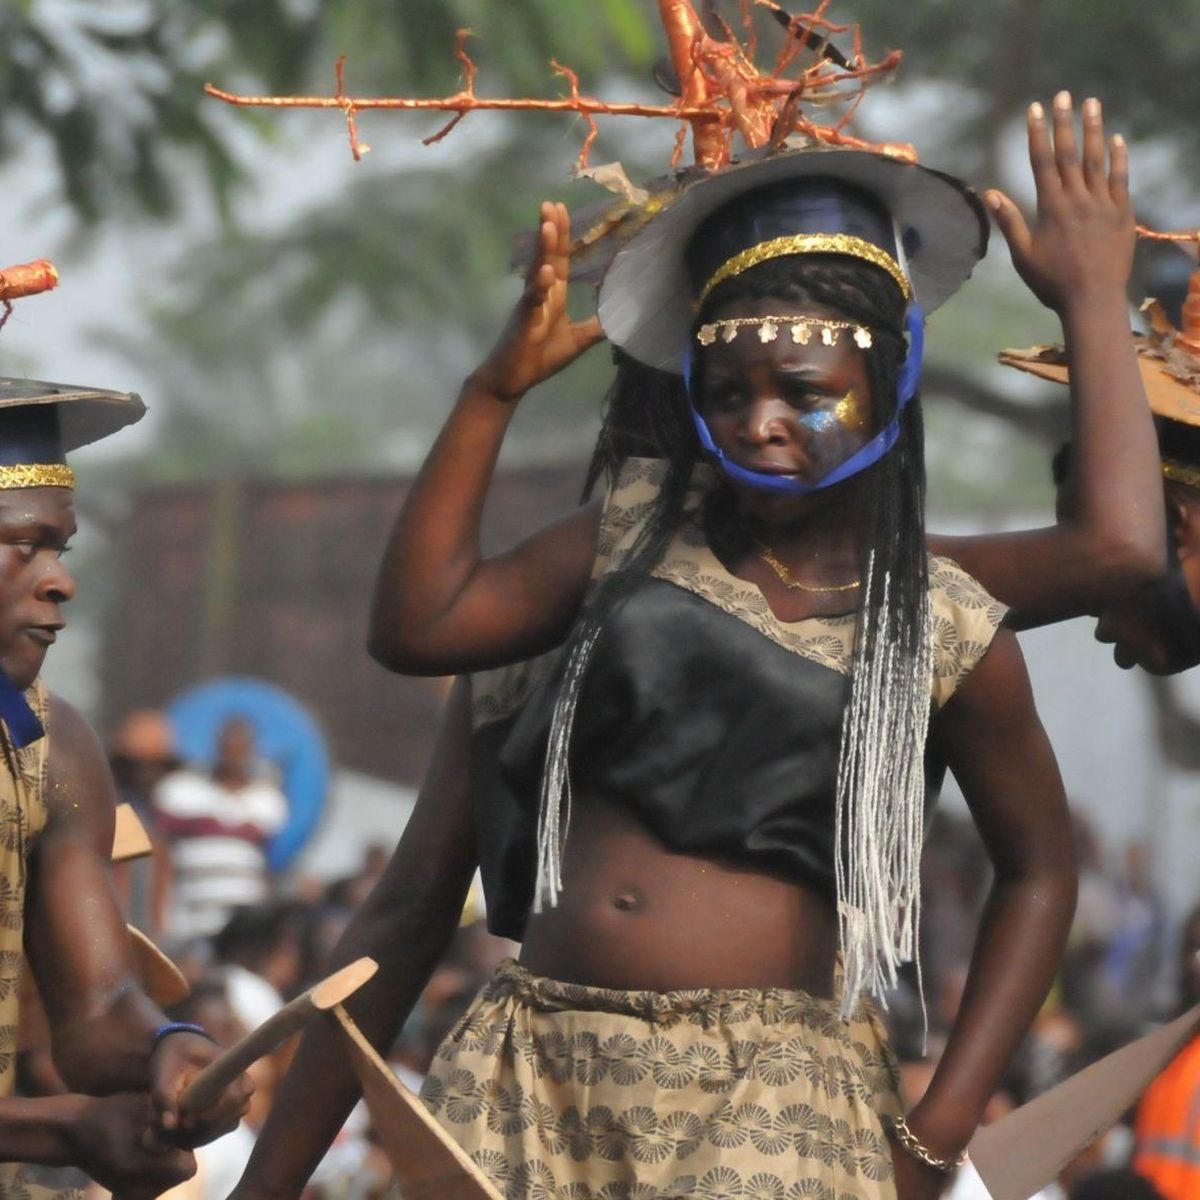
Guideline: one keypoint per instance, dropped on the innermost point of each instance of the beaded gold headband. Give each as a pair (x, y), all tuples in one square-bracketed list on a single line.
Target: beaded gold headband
[(31, 475), (806, 243), (800, 328)]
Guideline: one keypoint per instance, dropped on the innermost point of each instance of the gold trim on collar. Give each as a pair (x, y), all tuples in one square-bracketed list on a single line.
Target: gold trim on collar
[(1181, 472), (806, 243), (31, 475)]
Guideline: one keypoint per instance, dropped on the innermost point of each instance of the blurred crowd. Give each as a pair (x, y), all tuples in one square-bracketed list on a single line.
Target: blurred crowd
[(248, 941), (1124, 972)]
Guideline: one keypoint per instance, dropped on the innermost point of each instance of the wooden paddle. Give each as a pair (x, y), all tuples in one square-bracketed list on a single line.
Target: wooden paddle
[(1021, 1153), (163, 980), (427, 1162), (130, 839), (222, 1071)]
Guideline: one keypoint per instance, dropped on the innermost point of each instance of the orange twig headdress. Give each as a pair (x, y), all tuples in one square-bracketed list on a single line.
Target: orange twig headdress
[(720, 90)]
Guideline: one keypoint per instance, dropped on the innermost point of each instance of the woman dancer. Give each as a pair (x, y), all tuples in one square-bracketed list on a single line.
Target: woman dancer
[(716, 783)]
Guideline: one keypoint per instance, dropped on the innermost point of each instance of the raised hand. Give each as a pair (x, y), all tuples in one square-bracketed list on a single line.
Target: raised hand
[(1081, 242), (540, 338)]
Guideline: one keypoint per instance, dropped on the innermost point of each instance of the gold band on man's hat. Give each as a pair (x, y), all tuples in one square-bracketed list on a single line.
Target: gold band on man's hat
[(31, 475)]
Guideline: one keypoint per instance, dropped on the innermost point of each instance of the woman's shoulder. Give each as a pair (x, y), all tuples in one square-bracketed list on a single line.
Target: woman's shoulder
[(631, 500), (965, 618)]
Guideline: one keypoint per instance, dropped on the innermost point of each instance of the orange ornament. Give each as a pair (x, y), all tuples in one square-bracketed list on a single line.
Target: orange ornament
[(28, 279)]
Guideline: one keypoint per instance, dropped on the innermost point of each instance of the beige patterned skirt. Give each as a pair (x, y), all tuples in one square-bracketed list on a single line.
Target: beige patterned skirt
[(564, 1092)]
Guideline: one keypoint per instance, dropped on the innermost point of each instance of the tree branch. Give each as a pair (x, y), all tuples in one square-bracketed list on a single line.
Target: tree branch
[(1046, 420)]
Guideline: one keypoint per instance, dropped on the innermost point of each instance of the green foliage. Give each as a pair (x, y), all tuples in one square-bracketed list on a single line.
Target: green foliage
[(330, 343), (116, 88), (1139, 59)]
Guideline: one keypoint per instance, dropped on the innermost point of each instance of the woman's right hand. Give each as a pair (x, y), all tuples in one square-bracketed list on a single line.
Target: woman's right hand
[(540, 337)]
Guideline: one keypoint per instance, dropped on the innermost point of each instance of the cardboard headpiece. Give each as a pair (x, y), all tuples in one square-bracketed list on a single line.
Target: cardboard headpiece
[(1169, 362), (935, 230), (40, 423)]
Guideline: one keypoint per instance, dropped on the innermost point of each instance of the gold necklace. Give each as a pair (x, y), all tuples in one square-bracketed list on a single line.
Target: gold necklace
[(785, 576)]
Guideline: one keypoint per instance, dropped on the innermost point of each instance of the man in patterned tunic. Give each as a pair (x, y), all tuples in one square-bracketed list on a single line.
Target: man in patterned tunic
[(124, 1061)]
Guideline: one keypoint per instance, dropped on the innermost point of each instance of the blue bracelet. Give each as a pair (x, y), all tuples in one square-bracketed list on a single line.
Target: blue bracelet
[(178, 1027)]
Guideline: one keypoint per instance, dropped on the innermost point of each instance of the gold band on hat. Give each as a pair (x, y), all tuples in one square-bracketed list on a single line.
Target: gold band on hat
[(31, 475), (806, 243)]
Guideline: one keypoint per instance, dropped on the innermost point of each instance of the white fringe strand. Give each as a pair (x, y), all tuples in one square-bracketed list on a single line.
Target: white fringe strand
[(880, 808), (554, 808)]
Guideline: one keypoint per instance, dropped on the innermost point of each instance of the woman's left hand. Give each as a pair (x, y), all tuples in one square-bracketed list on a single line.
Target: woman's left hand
[(914, 1180), (1082, 239)]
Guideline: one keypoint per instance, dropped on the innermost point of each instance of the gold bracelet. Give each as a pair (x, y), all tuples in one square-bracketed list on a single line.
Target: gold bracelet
[(913, 1147)]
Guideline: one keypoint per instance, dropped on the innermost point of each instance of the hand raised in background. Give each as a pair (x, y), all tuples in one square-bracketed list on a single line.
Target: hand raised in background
[(1081, 240)]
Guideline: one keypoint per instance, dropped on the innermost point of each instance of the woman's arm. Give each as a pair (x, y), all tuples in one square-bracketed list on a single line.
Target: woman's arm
[(1111, 537), (439, 606), (999, 753), (405, 924)]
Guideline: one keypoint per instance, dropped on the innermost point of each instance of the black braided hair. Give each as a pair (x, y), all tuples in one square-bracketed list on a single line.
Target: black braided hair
[(645, 415)]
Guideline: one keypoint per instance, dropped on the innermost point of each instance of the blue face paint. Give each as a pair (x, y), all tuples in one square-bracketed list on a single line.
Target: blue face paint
[(820, 421)]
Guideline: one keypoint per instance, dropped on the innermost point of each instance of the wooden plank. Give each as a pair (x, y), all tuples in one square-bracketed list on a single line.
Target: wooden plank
[(429, 1165)]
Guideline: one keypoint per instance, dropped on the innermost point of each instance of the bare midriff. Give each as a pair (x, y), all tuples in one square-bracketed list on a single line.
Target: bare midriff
[(635, 915)]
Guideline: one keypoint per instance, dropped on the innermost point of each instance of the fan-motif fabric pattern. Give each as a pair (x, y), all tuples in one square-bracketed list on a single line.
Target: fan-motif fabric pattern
[(22, 819), (564, 1092)]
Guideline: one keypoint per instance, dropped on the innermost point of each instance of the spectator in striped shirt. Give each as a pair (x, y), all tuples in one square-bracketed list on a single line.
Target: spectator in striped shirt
[(218, 825)]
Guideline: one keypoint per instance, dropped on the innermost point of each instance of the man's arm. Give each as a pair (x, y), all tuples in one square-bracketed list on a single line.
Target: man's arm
[(103, 1136), (405, 924), (102, 1022)]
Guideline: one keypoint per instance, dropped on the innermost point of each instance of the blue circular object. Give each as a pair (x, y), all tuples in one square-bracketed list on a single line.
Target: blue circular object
[(287, 736)]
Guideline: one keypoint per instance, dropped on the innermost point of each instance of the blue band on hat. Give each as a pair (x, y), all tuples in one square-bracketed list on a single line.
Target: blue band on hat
[(29, 433), (22, 722), (818, 205), (864, 457)]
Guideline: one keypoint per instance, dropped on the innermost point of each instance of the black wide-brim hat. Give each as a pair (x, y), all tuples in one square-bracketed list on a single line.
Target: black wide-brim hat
[(647, 298), (84, 414)]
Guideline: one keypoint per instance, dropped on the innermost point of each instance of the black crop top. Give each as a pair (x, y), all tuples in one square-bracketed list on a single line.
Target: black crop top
[(714, 722)]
